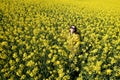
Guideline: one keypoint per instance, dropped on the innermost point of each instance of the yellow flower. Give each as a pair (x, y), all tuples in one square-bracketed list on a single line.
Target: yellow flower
[(19, 72), (36, 78), (77, 69), (36, 31), (12, 68), (21, 66), (14, 47), (15, 55), (67, 77), (30, 63), (94, 51), (86, 68), (61, 74), (11, 78), (97, 69), (113, 60), (23, 77), (6, 74), (3, 56), (108, 71), (50, 55), (54, 58), (35, 70), (1, 48), (3, 70), (117, 72), (4, 43), (11, 62), (118, 48), (57, 62)]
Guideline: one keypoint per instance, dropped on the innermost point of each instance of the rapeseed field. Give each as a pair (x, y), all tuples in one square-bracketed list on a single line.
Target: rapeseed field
[(34, 36)]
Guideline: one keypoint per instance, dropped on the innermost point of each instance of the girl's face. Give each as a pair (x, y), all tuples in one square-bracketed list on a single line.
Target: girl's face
[(71, 30)]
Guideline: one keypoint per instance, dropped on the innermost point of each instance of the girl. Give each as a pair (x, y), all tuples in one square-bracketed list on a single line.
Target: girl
[(73, 41)]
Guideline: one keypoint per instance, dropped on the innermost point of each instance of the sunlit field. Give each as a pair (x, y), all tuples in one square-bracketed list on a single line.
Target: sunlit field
[(33, 36)]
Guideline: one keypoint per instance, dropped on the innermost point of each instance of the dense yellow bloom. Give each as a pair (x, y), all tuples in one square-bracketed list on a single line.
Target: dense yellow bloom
[(21, 66), (23, 77), (34, 40), (54, 58), (50, 55), (12, 68), (94, 51), (35, 70), (108, 71), (19, 72), (3, 56), (60, 72), (57, 62), (11, 78), (11, 62), (4, 44), (15, 55), (30, 63), (6, 74)]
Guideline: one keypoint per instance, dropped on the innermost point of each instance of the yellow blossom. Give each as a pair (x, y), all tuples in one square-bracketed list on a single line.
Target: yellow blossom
[(108, 71), (30, 63), (4, 43)]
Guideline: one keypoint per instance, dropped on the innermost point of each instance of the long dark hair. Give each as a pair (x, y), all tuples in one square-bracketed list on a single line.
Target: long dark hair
[(74, 28)]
